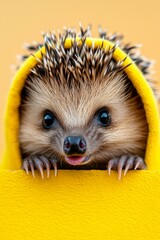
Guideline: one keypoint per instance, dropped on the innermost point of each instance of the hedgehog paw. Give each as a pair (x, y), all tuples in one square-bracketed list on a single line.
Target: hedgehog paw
[(125, 162), (39, 163)]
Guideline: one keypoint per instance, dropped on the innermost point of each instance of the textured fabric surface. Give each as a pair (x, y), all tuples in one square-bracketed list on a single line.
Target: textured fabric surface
[(12, 158), (80, 205)]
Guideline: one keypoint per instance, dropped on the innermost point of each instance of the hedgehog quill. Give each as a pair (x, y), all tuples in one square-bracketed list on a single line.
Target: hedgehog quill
[(79, 110)]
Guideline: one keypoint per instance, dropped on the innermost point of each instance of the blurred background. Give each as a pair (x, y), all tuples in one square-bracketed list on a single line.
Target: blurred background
[(23, 21)]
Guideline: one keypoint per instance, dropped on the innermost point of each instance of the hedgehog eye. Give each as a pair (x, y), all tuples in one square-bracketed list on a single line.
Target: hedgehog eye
[(48, 120), (104, 118)]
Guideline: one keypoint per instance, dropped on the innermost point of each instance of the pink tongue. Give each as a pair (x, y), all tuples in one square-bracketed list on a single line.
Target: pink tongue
[(75, 160)]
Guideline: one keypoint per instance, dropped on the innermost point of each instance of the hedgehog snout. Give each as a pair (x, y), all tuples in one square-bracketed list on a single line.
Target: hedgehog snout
[(74, 145)]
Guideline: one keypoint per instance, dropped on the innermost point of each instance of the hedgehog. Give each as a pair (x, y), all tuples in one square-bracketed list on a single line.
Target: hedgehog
[(79, 110)]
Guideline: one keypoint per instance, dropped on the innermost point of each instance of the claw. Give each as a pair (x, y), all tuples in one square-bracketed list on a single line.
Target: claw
[(121, 164), (25, 166), (54, 163), (40, 163), (129, 165), (32, 167), (140, 164), (110, 165), (48, 170), (126, 169), (39, 166), (126, 162), (137, 165), (47, 165), (119, 173)]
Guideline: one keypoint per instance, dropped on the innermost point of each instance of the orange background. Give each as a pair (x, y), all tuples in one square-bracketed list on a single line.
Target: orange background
[(23, 21)]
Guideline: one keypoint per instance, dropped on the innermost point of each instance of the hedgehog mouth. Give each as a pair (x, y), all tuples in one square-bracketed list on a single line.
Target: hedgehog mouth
[(76, 160)]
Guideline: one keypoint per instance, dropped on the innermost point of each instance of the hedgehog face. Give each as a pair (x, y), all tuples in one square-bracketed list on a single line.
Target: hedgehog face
[(82, 124)]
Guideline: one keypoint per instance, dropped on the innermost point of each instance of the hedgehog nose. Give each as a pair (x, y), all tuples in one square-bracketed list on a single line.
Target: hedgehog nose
[(74, 145)]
